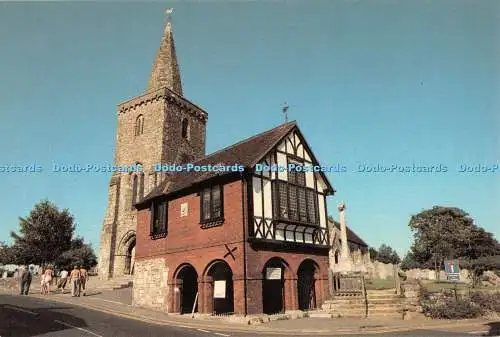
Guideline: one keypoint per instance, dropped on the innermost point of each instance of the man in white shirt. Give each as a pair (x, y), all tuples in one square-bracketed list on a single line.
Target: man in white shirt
[(63, 278)]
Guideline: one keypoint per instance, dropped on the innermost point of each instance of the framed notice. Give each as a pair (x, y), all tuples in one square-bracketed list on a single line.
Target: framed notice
[(220, 289), (184, 209), (273, 273)]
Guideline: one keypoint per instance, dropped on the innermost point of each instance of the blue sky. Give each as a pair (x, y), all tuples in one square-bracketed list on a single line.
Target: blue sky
[(369, 82)]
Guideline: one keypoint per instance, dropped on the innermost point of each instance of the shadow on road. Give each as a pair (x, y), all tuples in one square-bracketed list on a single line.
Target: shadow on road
[(16, 321), (494, 329)]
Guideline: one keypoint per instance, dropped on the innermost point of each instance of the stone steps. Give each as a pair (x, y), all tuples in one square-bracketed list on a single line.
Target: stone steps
[(379, 303)]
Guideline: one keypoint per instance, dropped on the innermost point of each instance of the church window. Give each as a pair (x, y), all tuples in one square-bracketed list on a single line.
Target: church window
[(134, 190), (293, 200), (337, 257), (211, 205), (141, 187), (139, 125), (185, 128), (159, 222)]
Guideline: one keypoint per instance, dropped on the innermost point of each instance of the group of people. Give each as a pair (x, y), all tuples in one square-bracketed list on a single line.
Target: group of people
[(77, 279)]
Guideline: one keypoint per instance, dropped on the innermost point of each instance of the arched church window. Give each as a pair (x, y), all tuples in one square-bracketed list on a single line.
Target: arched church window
[(141, 187), (336, 256), (185, 128), (139, 125), (134, 189)]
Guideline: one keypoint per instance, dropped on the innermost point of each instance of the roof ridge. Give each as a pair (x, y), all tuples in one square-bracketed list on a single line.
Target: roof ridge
[(246, 140)]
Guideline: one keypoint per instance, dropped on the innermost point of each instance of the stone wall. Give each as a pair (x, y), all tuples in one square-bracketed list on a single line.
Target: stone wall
[(150, 284)]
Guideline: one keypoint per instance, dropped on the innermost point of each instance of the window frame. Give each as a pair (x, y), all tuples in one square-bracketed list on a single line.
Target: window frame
[(211, 219), (294, 189), (139, 125), (157, 233)]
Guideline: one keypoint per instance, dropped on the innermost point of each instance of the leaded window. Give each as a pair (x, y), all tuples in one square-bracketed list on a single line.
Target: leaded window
[(159, 222), (211, 204)]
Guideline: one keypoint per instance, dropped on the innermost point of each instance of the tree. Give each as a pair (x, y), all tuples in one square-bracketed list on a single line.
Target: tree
[(386, 254), (478, 266), (373, 253), (445, 233), (80, 253), (409, 262)]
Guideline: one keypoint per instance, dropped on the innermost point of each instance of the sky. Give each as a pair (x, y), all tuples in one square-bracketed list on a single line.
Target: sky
[(389, 83)]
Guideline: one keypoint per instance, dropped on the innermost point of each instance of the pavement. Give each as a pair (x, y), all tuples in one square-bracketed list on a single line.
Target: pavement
[(109, 313)]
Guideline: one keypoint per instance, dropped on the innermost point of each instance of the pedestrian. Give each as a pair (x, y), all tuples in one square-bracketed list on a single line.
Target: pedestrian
[(63, 279), (74, 278), (84, 277), (43, 286), (49, 274), (26, 277)]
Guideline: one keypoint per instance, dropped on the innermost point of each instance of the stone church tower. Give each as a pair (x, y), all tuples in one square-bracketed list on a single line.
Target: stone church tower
[(158, 126)]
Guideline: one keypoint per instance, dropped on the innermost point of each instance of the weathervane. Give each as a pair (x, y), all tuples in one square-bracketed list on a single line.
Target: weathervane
[(284, 110)]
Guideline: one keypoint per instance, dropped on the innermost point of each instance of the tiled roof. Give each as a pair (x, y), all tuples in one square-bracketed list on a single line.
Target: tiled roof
[(246, 152), (351, 236)]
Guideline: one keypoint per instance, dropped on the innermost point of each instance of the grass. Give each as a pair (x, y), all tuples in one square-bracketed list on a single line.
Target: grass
[(380, 284), (437, 286)]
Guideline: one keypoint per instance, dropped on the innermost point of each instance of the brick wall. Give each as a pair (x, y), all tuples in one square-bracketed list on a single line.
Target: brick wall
[(187, 243)]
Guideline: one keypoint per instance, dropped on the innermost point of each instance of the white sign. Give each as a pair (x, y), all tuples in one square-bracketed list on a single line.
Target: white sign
[(273, 273), (220, 289), (184, 209)]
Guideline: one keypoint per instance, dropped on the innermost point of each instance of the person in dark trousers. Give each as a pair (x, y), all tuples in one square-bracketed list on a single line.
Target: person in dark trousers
[(26, 278)]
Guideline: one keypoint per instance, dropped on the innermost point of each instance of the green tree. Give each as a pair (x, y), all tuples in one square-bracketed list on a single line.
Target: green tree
[(43, 235), (373, 253), (447, 232), (409, 262), (386, 254), (80, 253)]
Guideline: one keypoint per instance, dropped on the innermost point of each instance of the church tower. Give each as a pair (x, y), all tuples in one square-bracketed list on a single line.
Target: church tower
[(158, 126)]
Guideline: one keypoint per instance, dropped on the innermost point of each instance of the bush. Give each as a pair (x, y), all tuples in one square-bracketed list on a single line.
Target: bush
[(447, 305), (451, 308), (487, 301)]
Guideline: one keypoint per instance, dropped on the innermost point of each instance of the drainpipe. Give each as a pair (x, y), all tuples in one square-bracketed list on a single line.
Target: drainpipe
[(243, 210)]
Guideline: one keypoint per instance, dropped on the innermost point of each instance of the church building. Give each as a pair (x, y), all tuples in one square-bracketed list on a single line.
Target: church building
[(243, 241)]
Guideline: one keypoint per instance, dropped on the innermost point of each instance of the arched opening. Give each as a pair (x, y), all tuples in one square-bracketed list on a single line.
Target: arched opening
[(185, 128), (337, 257), (188, 288), (139, 125), (306, 284), (128, 249), (222, 283), (273, 286), (130, 259)]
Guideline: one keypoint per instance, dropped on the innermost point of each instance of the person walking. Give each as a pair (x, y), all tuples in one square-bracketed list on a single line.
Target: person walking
[(26, 277), (63, 279), (49, 274), (84, 277), (74, 278)]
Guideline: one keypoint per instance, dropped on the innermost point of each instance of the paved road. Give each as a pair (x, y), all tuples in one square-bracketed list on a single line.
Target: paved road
[(23, 316)]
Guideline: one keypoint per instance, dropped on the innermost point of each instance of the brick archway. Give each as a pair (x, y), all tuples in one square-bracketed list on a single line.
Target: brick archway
[(125, 257), (307, 276), (276, 277), (185, 289), (219, 294)]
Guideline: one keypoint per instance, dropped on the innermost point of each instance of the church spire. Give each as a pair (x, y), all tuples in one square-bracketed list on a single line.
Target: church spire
[(165, 71)]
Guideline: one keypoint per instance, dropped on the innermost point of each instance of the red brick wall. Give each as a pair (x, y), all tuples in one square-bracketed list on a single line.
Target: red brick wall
[(184, 233), (186, 242), (256, 260)]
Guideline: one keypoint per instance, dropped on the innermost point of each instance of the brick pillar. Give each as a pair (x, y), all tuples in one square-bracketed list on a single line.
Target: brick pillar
[(175, 300), (205, 297), (254, 296), (291, 294), (239, 294)]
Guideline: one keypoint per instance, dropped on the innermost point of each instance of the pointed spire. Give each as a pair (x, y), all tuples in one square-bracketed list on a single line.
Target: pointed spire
[(165, 71)]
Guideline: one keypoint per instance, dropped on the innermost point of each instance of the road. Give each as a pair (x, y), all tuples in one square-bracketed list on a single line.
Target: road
[(23, 316)]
